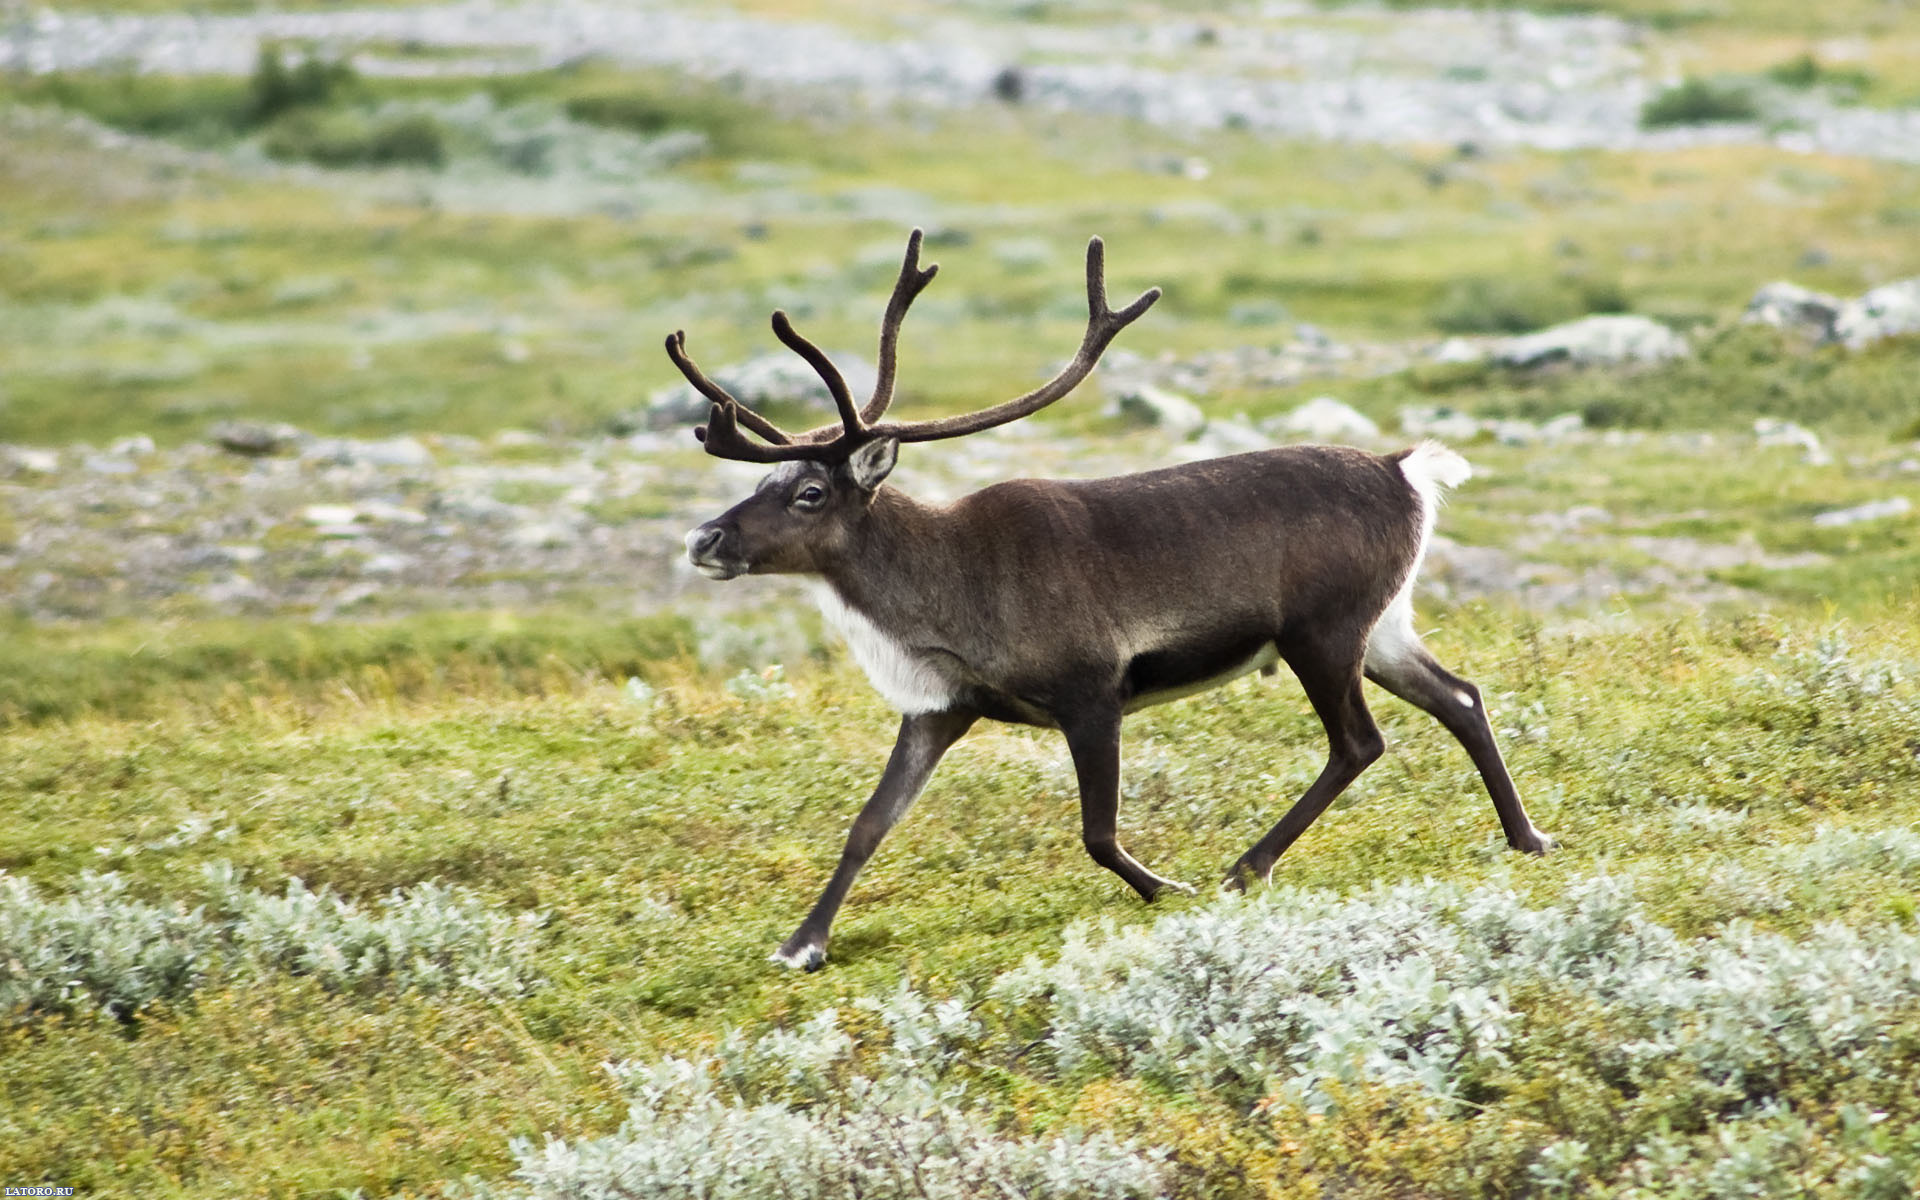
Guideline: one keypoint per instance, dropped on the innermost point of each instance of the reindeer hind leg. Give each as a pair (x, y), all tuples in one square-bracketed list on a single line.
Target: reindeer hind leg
[(1398, 662)]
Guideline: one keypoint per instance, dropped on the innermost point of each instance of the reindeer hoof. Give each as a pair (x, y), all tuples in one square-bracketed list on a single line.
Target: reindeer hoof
[(806, 956), (1535, 842), (1241, 876), (1171, 885)]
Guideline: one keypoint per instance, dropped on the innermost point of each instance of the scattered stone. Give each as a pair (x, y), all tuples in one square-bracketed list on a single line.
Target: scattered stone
[(762, 382), (1876, 510), (235, 591), (108, 464), (333, 520), (1324, 419), (390, 452), (387, 563), (543, 535), (1563, 428), (32, 460), (1145, 404), (1459, 350), (1572, 520), (1438, 421), (1771, 431), (252, 440), (1221, 438), (1603, 340), (1793, 308), (1887, 311), (383, 511), (138, 445)]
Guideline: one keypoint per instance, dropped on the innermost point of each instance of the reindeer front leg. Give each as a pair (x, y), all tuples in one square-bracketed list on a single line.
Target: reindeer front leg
[(923, 739), (1093, 738)]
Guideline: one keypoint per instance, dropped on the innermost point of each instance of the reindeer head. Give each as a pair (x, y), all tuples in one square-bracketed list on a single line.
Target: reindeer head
[(804, 512)]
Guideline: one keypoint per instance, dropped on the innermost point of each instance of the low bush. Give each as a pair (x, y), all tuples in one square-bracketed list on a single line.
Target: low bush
[(1484, 305), (357, 139), (1697, 101), (99, 950)]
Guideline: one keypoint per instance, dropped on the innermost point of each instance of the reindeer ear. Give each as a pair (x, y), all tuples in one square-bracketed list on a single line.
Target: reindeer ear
[(871, 462)]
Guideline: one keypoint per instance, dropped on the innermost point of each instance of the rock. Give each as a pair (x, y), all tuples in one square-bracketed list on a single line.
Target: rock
[(762, 382), (390, 452), (543, 535), (1221, 438), (1771, 431), (252, 440), (138, 445), (1876, 510), (1145, 404), (333, 520), (1572, 520), (1606, 340), (1563, 427), (1325, 419), (1459, 350), (1886, 311), (1793, 308), (32, 460), (1438, 421)]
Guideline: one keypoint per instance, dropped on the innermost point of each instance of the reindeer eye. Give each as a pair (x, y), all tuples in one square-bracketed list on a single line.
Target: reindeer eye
[(810, 496)]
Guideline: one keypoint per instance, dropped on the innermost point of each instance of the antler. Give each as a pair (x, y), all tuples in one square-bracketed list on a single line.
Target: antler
[(722, 435), (911, 283), (723, 403), (1102, 325)]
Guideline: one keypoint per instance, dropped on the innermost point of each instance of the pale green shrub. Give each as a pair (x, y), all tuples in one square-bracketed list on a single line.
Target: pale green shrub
[(792, 1114), (99, 949)]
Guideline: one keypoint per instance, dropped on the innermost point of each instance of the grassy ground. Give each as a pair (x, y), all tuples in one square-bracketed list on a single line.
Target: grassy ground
[(199, 296), (670, 844)]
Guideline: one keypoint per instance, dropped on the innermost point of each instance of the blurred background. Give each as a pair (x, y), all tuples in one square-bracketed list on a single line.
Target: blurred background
[(328, 310)]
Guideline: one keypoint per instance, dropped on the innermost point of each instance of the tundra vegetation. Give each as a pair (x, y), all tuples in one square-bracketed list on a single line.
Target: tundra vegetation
[(422, 894)]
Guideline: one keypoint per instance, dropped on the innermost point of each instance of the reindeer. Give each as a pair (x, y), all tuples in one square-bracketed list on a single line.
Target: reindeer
[(1067, 604)]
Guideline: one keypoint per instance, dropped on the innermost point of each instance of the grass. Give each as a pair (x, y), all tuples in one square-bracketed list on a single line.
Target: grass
[(408, 344), (643, 829)]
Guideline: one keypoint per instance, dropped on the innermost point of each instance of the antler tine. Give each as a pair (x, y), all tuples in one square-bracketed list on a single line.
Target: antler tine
[(1103, 323), (829, 375), (722, 438), (913, 280), (721, 398)]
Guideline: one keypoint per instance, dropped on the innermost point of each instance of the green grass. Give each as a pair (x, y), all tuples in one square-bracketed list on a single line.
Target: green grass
[(672, 844)]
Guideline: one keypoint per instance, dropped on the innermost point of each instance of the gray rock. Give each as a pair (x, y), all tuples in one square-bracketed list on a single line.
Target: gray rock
[(1438, 421), (1564, 427), (1459, 350), (1877, 510), (1604, 340), (1887, 311), (1324, 419), (764, 381), (252, 439), (1221, 438), (390, 452), (1796, 309), (1145, 404), (31, 460), (1771, 431)]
